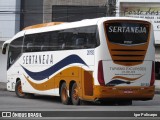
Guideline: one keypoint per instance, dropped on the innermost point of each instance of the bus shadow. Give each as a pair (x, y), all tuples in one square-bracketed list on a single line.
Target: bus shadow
[(57, 100), (54, 99)]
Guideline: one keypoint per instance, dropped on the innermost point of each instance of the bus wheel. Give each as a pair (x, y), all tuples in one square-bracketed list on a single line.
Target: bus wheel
[(18, 90), (64, 94), (74, 95)]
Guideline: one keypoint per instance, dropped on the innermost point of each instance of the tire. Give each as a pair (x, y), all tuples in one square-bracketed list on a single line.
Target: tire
[(64, 94), (18, 90), (74, 95)]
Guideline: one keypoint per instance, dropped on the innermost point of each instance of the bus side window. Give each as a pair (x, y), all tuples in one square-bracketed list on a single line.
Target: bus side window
[(68, 39), (15, 50), (66, 43), (53, 41), (29, 47), (38, 42), (45, 45), (88, 34), (28, 43), (78, 42)]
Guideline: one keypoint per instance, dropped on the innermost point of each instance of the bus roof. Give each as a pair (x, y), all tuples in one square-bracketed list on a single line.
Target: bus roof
[(42, 25), (77, 23)]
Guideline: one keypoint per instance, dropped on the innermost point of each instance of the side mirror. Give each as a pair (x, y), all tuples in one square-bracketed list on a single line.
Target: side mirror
[(4, 48)]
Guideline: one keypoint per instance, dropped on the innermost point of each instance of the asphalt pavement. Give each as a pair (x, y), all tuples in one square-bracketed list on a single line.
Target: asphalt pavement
[(10, 102), (3, 86), (51, 106), (157, 85)]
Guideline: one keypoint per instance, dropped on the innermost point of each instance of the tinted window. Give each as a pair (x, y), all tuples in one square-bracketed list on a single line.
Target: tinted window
[(50, 41), (28, 43), (79, 38), (127, 33), (75, 38), (15, 49)]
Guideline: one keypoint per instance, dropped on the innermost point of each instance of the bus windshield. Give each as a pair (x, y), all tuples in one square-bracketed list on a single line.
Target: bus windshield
[(127, 33)]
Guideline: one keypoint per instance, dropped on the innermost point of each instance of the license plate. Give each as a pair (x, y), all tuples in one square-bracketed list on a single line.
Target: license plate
[(128, 91)]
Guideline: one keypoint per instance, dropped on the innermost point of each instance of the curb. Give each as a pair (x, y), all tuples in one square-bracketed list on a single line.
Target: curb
[(157, 86), (3, 86), (157, 90)]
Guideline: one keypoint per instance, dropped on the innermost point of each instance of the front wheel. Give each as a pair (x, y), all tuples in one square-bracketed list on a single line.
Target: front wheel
[(74, 95), (18, 90)]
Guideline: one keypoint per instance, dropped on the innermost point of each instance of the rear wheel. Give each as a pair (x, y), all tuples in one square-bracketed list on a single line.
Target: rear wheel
[(64, 94), (18, 90), (74, 95)]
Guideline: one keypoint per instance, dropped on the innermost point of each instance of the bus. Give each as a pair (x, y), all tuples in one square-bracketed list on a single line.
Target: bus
[(102, 59)]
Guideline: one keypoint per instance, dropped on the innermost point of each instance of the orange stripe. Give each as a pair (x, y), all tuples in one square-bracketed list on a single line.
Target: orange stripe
[(42, 25), (50, 83), (42, 86), (125, 78)]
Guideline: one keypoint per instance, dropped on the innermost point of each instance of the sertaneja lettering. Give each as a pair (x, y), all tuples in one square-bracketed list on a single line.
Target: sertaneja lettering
[(119, 29), (38, 59)]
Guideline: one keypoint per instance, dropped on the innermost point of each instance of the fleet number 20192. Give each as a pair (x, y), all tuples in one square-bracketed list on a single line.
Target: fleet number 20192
[(90, 52)]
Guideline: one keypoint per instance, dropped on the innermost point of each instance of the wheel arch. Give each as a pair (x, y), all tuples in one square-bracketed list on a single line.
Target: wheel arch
[(18, 79)]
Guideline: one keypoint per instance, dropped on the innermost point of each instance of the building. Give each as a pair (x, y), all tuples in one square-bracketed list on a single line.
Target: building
[(14, 16), (9, 26), (148, 9), (31, 12), (73, 10)]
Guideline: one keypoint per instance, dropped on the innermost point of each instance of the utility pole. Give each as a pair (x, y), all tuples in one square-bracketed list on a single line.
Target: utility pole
[(111, 7)]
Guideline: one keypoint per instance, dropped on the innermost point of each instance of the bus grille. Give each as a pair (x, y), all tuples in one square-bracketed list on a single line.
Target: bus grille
[(128, 57)]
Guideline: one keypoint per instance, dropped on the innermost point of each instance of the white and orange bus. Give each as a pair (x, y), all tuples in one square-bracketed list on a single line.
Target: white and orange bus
[(109, 58)]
